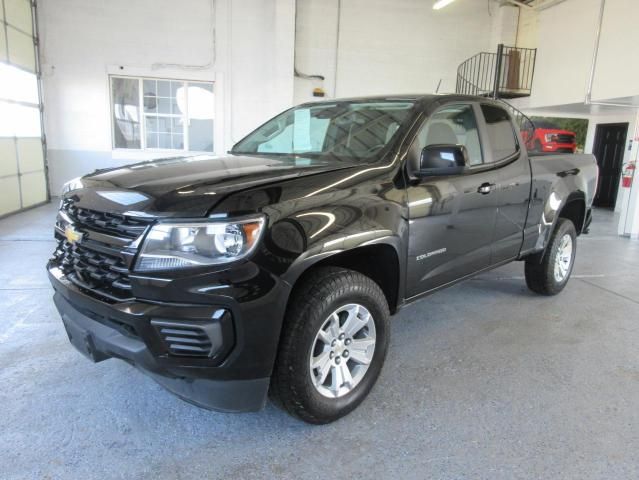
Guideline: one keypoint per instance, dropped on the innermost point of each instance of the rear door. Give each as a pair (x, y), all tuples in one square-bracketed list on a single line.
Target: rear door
[(512, 172), (451, 218)]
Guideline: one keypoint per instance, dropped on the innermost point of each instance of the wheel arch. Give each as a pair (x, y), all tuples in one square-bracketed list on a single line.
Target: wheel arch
[(574, 209), (379, 261)]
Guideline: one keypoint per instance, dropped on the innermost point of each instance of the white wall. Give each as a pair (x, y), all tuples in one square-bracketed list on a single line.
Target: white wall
[(386, 47), (617, 63), (504, 23), (250, 61), (527, 28), (565, 43), (260, 62), (565, 39)]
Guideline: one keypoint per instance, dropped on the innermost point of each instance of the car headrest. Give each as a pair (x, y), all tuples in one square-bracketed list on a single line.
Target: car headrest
[(441, 133)]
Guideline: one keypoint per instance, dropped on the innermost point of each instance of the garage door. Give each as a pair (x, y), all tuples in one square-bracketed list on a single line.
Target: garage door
[(23, 181)]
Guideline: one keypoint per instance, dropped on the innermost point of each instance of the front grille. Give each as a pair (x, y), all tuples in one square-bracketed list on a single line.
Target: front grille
[(565, 138), (103, 274), (103, 222), (99, 263)]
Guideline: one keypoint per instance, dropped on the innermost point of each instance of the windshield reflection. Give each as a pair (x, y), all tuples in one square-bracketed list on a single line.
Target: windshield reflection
[(339, 130)]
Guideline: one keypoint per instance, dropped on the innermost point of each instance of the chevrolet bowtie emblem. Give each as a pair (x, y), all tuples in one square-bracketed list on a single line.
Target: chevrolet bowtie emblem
[(72, 235)]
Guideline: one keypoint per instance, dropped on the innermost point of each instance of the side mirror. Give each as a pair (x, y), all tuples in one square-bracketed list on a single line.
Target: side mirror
[(442, 160)]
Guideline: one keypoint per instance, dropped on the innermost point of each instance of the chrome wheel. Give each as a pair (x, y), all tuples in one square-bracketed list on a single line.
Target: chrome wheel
[(342, 350), (563, 259)]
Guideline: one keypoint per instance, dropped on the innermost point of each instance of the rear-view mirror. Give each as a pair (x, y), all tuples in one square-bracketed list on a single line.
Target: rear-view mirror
[(443, 160)]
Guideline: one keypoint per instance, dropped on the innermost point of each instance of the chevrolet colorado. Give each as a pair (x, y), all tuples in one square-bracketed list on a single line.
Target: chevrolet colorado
[(274, 270)]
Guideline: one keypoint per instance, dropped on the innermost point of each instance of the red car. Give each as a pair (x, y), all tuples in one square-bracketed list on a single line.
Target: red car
[(548, 137)]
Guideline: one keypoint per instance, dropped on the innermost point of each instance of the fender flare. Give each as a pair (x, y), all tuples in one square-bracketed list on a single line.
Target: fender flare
[(553, 208), (315, 256)]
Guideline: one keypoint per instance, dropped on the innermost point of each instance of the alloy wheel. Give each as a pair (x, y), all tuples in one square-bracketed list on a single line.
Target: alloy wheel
[(342, 350), (563, 259)]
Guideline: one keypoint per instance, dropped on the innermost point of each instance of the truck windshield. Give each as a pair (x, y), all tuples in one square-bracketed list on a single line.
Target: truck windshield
[(341, 129)]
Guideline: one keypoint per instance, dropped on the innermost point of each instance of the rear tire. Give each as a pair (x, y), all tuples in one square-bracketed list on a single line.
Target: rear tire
[(549, 274), (332, 311)]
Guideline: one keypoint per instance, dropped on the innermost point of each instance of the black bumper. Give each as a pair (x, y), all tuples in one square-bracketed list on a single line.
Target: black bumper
[(234, 378)]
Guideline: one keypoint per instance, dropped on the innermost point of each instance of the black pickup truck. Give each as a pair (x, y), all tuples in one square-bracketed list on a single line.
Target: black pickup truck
[(275, 269)]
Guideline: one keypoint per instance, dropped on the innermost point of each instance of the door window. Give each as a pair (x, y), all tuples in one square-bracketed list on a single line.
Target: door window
[(451, 125), (500, 132)]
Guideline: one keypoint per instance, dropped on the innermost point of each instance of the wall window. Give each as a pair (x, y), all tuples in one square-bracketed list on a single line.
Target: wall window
[(151, 113), (19, 102)]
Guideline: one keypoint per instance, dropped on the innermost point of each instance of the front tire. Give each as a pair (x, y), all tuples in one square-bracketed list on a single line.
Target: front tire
[(549, 274), (537, 148), (334, 342)]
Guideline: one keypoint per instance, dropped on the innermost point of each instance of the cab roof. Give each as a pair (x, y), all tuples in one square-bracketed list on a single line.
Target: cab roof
[(424, 99)]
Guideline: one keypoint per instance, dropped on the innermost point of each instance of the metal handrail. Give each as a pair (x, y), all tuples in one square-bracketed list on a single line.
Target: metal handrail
[(508, 73), (524, 123)]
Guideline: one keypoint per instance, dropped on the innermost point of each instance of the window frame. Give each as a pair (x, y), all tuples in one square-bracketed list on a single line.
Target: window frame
[(143, 130), (481, 132)]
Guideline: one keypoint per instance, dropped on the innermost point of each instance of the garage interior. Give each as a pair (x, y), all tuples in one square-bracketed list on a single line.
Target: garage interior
[(482, 380)]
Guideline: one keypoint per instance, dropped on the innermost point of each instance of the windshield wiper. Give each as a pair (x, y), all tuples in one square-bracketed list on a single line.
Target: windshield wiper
[(261, 154)]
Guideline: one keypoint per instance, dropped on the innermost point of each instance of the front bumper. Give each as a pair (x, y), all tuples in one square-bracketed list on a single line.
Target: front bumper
[(234, 378), (559, 147)]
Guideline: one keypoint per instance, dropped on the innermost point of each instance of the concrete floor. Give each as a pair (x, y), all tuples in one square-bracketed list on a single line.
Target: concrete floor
[(483, 381)]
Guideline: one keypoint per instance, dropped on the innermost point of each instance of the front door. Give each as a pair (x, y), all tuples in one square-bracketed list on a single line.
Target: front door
[(451, 218), (608, 148)]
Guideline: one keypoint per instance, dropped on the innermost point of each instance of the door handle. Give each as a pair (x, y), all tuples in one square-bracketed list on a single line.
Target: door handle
[(486, 188)]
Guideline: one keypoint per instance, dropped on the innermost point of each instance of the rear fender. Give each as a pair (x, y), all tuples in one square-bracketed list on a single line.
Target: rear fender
[(562, 186), (556, 206)]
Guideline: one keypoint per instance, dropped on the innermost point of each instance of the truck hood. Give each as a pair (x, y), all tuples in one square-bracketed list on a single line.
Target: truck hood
[(187, 186)]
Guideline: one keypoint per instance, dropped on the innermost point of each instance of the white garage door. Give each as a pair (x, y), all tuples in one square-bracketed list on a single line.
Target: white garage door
[(23, 180)]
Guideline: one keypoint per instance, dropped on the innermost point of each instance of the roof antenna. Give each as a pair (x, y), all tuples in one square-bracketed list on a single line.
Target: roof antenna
[(438, 85)]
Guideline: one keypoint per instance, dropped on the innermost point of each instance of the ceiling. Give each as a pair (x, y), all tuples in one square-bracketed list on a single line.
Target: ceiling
[(581, 109)]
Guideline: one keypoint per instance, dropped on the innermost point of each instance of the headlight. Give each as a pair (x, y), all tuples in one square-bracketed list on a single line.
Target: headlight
[(182, 245), (73, 184)]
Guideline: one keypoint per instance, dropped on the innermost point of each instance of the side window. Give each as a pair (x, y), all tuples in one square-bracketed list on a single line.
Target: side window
[(500, 131), (451, 125)]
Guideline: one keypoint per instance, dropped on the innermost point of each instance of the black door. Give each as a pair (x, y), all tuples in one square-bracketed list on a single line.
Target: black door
[(451, 218), (609, 147), (512, 170), (451, 227)]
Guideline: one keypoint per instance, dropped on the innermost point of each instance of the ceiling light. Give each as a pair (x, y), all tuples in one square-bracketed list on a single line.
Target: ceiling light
[(441, 4)]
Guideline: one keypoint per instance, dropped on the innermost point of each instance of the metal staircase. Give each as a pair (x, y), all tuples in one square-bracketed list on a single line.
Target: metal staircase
[(508, 73)]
